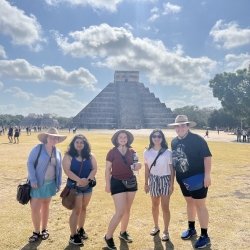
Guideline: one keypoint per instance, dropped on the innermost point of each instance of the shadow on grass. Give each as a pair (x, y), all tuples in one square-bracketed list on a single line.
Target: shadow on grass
[(32, 246), (73, 247), (193, 241), (159, 244)]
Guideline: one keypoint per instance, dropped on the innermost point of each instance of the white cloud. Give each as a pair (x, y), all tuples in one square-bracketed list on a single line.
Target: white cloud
[(1, 85), (8, 109), (171, 8), (20, 69), (19, 93), (23, 29), (154, 14), (2, 52), (110, 5), (229, 35), (60, 103), (201, 96), (234, 62), (117, 48), (64, 94)]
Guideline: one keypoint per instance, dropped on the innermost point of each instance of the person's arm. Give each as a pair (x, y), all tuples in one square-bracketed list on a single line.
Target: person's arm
[(31, 168), (146, 187), (172, 178), (94, 168), (66, 167), (108, 175), (207, 166)]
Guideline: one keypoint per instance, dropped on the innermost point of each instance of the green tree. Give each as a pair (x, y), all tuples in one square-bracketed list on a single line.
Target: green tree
[(233, 90), (221, 119), (194, 113)]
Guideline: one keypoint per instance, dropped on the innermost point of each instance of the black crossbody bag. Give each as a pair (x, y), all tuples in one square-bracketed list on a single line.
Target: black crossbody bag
[(23, 190)]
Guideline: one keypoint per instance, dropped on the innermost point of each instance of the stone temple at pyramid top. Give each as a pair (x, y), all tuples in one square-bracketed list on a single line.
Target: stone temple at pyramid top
[(124, 103), (126, 76)]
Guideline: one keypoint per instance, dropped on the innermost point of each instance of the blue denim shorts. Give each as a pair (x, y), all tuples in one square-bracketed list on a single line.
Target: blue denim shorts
[(83, 190)]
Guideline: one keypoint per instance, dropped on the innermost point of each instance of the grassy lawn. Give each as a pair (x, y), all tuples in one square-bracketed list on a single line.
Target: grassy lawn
[(228, 201)]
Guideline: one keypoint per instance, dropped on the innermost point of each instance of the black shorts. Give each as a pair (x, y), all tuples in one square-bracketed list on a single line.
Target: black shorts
[(197, 194), (117, 187)]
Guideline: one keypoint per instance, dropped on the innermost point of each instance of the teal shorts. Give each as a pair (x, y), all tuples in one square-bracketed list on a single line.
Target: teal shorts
[(47, 190)]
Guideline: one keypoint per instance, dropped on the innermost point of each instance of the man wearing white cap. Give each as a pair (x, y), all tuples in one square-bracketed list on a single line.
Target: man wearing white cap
[(192, 162)]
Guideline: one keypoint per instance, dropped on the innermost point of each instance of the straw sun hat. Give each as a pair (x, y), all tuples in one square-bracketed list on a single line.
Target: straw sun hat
[(182, 119), (116, 134), (42, 137)]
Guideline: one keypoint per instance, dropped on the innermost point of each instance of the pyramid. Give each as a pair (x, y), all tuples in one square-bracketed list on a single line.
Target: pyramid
[(124, 103)]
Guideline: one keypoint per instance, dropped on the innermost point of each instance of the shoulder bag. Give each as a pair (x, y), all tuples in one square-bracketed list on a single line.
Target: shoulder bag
[(68, 194), (194, 182), (131, 182), (23, 189)]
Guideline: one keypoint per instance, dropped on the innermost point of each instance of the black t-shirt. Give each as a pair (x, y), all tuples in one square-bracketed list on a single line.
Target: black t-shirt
[(188, 155)]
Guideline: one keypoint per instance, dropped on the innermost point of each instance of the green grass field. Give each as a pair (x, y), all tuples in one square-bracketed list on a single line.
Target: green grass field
[(228, 201)]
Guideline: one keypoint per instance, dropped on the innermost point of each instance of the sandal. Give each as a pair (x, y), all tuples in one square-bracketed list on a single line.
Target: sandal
[(45, 234), (154, 231), (34, 237), (165, 237)]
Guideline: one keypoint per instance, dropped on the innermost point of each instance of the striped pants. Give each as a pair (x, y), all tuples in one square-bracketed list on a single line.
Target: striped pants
[(159, 185)]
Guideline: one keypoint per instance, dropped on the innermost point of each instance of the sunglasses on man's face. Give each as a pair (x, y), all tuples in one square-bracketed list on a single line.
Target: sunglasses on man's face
[(157, 136)]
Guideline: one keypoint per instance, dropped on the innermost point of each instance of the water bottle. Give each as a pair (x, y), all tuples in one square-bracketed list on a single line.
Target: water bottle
[(135, 160)]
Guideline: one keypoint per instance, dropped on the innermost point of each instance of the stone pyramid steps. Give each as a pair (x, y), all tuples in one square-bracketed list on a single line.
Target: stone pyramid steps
[(126, 103)]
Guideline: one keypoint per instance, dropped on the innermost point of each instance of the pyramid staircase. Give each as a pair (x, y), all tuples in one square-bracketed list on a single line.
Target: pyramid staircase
[(124, 104)]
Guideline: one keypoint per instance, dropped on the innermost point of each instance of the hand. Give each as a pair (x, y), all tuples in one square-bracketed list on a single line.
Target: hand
[(137, 166), (146, 188), (171, 189), (107, 188), (83, 182), (207, 180), (34, 185)]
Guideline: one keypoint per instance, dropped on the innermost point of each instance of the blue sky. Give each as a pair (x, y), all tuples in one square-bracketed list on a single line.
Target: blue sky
[(56, 55)]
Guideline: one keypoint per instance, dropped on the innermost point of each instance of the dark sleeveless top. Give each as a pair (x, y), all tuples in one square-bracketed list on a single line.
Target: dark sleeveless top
[(76, 166)]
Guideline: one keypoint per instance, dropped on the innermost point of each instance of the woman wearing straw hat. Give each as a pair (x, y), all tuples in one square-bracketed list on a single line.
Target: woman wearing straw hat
[(45, 179), (192, 161), (119, 165)]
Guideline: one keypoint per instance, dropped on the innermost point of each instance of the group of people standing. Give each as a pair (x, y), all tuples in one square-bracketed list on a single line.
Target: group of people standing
[(190, 156)]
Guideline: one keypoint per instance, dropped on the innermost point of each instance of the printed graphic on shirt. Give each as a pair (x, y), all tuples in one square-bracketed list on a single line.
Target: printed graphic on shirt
[(179, 158)]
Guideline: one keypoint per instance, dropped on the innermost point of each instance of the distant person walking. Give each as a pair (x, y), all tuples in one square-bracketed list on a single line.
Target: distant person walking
[(119, 174), (206, 134), (10, 134), (192, 163), (238, 134), (159, 179), (16, 135), (45, 180)]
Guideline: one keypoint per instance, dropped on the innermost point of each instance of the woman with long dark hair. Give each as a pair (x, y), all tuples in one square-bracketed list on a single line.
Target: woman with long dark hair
[(159, 179), (80, 166)]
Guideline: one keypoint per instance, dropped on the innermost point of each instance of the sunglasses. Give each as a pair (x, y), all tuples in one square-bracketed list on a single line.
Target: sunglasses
[(157, 136)]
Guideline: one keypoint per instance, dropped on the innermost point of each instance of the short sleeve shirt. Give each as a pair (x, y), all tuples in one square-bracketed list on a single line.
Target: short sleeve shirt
[(162, 165), (188, 155), (120, 169)]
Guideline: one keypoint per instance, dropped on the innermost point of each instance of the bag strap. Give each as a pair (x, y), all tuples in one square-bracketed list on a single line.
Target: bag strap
[(39, 153), (80, 168), (36, 161), (162, 150)]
